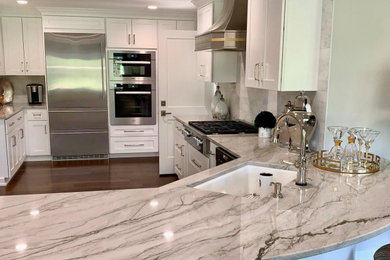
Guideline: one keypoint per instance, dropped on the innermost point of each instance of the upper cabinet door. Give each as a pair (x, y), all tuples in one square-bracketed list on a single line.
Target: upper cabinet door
[(2, 67), (186, 25), (166, 25), (13, 46), (301, 46), (118, 33), (269, 69), (255, 47), (144, 33), (34, 54)]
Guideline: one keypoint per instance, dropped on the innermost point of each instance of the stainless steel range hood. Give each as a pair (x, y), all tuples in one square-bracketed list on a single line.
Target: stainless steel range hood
[(228, 33)]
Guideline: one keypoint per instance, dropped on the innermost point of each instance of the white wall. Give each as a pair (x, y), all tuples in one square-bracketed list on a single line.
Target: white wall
[(359, 89)]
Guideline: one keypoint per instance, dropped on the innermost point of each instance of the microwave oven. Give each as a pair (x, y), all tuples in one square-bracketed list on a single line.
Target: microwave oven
[(132, 65)]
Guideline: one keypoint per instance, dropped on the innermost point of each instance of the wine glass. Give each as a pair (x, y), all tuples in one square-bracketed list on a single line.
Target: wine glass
[(355, 131), (336, 153), (368, 136)]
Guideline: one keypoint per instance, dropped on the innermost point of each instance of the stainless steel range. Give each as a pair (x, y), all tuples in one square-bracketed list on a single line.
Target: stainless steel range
[(196, 133)]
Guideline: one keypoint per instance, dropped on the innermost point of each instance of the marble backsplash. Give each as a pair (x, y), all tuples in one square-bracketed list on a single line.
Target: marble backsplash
[(20, 82), (245, 103)]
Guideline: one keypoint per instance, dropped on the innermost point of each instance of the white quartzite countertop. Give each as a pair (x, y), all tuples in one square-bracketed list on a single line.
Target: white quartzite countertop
[(179, 222), (8, 110)]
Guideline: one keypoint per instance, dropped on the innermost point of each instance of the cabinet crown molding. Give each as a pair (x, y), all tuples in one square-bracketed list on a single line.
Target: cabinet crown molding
[(114, 13)]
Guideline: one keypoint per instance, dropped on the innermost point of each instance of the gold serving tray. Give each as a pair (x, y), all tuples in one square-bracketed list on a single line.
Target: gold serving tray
[(371, 164)]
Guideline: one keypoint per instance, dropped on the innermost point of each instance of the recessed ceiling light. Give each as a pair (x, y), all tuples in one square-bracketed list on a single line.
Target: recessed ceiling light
[(22, 2), (152, 7)]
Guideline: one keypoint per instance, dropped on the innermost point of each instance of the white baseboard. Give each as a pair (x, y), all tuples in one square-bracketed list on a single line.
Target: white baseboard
[(38, 158), (132, 155)]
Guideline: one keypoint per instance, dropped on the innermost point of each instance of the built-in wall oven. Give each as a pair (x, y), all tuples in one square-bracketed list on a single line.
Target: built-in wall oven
[(132, 87), (132, 65), (132, 104)]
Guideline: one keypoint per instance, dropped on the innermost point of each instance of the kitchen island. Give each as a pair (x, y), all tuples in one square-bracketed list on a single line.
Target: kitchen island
[(179, 222)]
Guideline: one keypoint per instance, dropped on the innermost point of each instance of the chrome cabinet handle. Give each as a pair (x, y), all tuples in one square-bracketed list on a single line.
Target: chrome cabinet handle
[(45, 130), (22, 66), (26, 66), (256, 70), (21, 130), (133, 131), (181, 151), (133, 39), (129, 39), (14, 138), (19, 118), (196, 164), (262, 71), (37, 114), (12, 124), (133, 145)]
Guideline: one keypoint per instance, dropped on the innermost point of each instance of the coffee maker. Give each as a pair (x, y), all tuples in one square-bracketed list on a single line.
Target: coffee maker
[(34, 93)]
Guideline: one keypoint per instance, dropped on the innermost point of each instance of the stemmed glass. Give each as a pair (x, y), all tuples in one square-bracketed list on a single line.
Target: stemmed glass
[(336, 153), (368, 135)]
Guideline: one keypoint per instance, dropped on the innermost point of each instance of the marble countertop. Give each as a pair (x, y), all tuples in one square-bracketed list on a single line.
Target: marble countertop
[(179, 222), (8, 110)]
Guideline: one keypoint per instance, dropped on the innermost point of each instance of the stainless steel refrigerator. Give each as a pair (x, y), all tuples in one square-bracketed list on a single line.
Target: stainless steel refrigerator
[(77, 95)]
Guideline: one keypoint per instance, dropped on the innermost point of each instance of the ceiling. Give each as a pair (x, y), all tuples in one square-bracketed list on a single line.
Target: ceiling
[(11, 7)]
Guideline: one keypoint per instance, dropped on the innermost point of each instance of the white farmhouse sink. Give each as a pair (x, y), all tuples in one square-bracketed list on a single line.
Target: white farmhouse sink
[(243, 180)]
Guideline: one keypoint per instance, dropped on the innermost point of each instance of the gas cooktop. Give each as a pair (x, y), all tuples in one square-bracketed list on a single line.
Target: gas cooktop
[(223, 127)]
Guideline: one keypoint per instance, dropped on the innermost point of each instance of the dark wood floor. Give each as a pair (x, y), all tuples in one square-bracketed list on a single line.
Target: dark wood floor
[(69, 176)]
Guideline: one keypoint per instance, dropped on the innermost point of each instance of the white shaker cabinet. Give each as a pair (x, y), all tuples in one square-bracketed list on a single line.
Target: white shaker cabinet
[(220, 66), (23, 46), (34, 54), (13, 45), (181, 152), (283, 38), (131, 33), (13, 155), (37, 132)]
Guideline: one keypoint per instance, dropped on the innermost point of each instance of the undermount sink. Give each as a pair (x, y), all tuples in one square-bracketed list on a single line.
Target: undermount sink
[(243, 180)]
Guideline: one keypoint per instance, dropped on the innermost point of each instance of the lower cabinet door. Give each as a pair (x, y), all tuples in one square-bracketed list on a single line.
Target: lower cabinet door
[(147, 144), (11, 153), (179, 162), (197, 162), (38, 138)]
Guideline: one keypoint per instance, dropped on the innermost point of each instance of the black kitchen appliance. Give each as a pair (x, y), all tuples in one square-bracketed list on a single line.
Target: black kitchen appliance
[(34, 93)]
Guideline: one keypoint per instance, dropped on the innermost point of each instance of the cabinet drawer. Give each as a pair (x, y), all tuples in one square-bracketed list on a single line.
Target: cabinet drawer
[(37, 114), (133, 144), (142, 130), (12, 122), (196, 161)]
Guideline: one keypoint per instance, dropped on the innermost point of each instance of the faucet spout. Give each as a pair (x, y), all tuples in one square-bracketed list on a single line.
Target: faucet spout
[(307, 123)]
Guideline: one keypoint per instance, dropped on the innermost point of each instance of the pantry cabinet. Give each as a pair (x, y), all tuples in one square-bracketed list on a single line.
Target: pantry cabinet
[(131, 33), (283, 42), (212, 66), (23, 46)]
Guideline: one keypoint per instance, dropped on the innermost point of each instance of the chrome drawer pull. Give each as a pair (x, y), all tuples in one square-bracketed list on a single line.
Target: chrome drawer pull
[(133, 131), (196, 164), (133, 145)]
